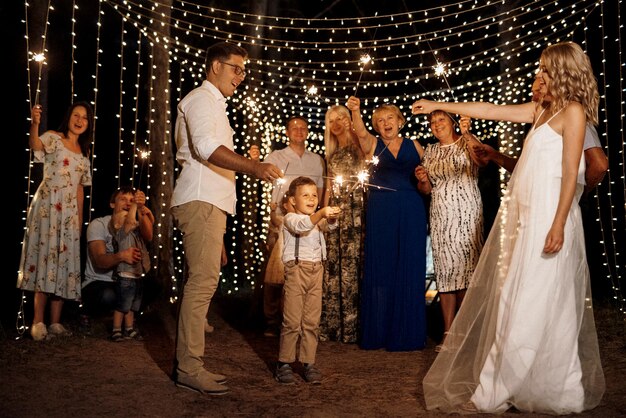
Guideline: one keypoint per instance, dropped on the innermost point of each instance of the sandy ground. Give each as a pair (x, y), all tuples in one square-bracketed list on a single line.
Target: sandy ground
[(89, 376)]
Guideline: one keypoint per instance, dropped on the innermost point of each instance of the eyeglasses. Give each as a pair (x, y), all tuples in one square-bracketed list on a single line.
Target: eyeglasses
[(238, 70)]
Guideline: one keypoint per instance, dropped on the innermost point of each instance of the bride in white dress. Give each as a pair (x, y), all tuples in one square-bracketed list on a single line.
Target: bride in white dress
[(525, 335)]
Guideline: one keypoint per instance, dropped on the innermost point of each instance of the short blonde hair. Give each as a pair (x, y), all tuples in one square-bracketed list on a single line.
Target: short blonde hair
[(387, 108)]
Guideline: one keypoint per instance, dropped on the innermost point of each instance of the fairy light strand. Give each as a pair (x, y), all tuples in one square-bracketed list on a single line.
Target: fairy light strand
[(95, 78), (136, 149), (304, 78)]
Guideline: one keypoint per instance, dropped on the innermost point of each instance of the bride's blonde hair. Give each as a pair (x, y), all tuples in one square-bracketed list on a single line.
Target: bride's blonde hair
[(571, 78)]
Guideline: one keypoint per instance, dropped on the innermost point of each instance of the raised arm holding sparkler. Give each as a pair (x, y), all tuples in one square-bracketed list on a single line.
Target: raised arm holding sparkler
[(52, 271), (393, 314), (367, 141), (387, 120)]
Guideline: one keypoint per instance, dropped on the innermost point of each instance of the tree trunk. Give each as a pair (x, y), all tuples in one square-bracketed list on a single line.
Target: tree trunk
[(162, 158)]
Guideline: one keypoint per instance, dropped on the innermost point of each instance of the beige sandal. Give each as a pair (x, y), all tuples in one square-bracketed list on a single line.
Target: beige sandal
[(468, 407), (439, 347)]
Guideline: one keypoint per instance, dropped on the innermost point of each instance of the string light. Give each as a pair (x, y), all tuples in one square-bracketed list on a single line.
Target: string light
[(491, 49)]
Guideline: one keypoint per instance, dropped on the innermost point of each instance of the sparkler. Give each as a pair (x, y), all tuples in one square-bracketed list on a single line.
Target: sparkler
[(440, 69), (364, 60), (39, 58), (143, 156), (342, 185), (251, 104), (312, 93), (361, 180), (279, 182), (311, 90)]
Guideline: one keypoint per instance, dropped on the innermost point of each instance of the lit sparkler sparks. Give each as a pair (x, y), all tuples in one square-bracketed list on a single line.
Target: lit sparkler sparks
[(280, 181), (251, 104), (365, 59), (143, 155), (40, 59), (342, 185), (374, 161), (440, 69), (311, 90), (363, 176)]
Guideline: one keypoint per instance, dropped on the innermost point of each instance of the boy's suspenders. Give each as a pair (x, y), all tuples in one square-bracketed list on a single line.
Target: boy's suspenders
[(297, 247)]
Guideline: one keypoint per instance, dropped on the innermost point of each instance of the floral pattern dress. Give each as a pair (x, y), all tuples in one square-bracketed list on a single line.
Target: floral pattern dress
[(342, 277), (50, 260)]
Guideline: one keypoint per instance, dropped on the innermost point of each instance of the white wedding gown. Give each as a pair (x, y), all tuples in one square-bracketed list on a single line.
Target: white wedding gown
[(525, 335)]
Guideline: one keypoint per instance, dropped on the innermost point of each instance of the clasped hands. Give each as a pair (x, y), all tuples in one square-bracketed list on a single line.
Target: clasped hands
[(331, 213)]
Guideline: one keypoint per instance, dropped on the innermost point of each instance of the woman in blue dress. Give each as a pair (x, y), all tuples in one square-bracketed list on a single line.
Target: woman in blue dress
[(393, 312)]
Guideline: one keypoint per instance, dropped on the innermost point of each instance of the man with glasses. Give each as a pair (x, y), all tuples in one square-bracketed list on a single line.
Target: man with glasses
[(204, 194)]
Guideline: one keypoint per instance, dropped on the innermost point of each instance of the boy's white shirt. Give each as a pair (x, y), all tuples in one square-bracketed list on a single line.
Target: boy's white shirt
[(312, 246)]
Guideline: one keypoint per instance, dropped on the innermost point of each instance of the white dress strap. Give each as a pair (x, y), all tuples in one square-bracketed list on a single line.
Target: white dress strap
[(538, 117), (548, 121)]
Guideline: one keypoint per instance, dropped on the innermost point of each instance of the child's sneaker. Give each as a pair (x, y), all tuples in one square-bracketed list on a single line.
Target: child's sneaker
[(117, 336), (284, 375), (132, 334), (38, 331), (59, 330), (312, 374)]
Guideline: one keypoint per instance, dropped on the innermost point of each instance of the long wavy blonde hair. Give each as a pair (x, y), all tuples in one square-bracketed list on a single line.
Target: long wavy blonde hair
[(330, 141), (571, 78)]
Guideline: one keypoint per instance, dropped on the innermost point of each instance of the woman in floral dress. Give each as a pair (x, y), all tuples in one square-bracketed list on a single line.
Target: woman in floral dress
[(50, 261)]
